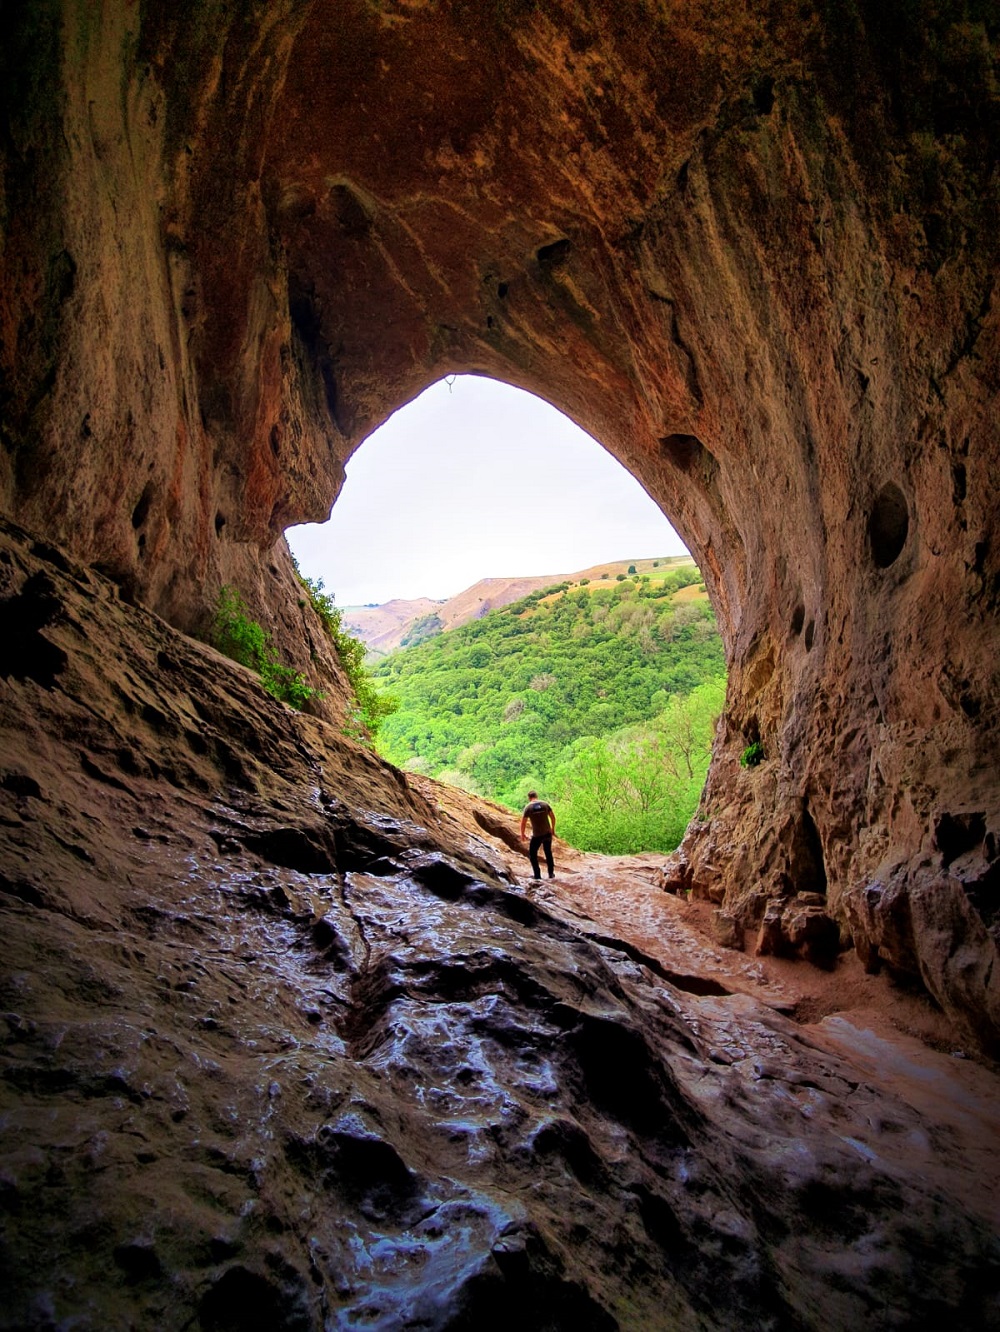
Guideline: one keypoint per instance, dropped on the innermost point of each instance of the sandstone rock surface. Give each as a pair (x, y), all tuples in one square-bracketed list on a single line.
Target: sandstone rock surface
[(286, 1046)]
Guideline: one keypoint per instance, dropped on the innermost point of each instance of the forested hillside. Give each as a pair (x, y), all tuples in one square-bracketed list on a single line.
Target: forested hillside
[(398, 623), (602, 698)]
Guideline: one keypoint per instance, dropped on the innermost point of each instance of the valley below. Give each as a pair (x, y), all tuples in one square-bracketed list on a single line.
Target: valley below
[(602, 692)]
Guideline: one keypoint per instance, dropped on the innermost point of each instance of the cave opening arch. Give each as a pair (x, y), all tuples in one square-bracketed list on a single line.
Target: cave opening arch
[(476, 495)]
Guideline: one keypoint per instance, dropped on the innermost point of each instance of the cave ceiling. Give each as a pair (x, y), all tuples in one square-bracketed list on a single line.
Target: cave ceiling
[(278, 1014)]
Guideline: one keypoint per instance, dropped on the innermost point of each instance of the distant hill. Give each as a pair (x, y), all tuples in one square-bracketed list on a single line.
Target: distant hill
[(401, 623)]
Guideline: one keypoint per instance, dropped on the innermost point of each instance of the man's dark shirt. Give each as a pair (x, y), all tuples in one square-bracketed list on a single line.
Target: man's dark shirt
[(538, 813)]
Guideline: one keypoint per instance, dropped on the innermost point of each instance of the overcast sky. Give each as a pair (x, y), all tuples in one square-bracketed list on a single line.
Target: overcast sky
[(475, 479)]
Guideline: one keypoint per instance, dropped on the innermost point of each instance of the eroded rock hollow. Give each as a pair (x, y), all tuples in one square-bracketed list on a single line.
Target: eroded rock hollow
[(753, 251)]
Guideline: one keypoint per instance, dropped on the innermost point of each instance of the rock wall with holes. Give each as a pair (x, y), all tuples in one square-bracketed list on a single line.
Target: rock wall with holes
[(753, 253)]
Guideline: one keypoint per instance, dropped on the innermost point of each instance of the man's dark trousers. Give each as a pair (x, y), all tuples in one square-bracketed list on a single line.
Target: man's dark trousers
[(543, 840)]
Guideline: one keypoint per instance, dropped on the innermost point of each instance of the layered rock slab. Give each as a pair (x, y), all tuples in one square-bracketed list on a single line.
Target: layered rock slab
[(277, 1056)]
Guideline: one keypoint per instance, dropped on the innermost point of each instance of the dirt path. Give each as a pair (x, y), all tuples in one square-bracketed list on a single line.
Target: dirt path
[(620, 894), (895, 1038), (621, 897)]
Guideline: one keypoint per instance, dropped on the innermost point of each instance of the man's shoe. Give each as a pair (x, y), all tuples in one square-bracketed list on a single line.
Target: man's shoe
[(552, 876)]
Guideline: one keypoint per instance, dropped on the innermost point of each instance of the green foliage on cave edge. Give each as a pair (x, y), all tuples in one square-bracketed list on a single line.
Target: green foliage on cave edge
[(245, 640), (371, 705)]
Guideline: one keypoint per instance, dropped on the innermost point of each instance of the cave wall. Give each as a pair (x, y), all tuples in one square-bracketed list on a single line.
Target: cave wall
[(752, 253)]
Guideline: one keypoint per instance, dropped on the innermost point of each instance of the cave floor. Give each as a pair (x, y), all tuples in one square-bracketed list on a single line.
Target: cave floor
[(621, 897), (891, 1032)]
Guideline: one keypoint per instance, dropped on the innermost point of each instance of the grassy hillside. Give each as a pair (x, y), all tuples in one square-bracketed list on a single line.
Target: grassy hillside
[(399, 623), (602, 696)]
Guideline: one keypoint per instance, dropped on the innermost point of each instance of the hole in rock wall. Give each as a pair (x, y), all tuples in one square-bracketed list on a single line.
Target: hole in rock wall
[(690, 456), (763, 96), (888, 526), (141, 511), (806, 864), (957, 834), (532, 611), (552, 256)]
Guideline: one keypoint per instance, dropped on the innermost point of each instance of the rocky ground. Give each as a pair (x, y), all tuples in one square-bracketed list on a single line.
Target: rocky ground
[(291, 1043)]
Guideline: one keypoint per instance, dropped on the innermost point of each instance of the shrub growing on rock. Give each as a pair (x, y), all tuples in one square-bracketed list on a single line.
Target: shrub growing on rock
[(249, 643), (752, 755), (372, 706)]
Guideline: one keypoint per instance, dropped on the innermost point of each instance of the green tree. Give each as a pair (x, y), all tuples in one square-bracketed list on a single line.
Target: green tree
[(638, 788)]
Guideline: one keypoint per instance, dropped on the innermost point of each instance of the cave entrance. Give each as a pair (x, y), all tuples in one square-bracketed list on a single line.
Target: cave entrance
[(599, 679)]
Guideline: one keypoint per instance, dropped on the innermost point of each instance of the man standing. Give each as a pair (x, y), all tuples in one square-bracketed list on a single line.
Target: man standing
[(543, 825)]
